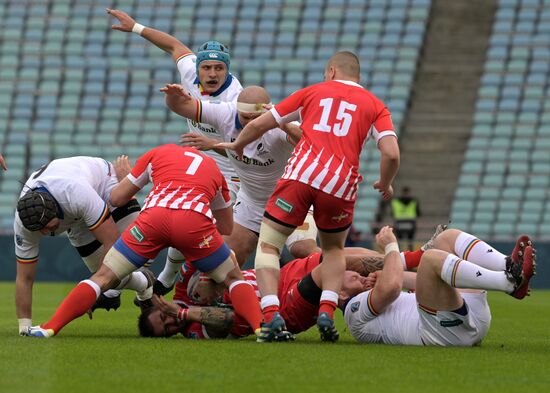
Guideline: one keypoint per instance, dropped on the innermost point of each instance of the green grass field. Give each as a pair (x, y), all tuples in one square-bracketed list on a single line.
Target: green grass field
[(105, 354)]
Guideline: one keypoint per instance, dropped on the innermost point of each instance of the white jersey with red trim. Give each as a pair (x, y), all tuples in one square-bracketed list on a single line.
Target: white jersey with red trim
[(398, 324), (183, 178), (228, 92), (81, 186), (263, 161), (337, 118)]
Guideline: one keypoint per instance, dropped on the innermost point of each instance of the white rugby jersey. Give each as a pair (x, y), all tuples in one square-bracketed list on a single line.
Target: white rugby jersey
[(264, 160), (398, 324), (228, 92), (81, 187)]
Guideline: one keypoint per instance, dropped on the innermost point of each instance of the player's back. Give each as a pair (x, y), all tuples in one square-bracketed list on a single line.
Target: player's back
[(59, 174), (180, 175), (337, 117)]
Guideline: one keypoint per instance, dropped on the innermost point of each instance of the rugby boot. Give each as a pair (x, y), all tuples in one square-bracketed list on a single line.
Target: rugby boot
[(325, 324), (521, 272), (275, 330)]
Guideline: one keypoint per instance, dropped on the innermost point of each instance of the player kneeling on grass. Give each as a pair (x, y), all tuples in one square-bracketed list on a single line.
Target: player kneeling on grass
[(438, 313), (188, 193)]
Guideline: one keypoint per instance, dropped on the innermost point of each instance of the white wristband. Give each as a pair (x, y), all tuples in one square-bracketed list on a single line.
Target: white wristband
[(137, 28), (391, 247), (24, 324)]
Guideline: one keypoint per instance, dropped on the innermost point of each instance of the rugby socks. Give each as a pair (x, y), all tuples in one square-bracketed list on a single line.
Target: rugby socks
[(411, 259), (245, 302), (328, 302), (472, 249), (171, 268), (270, 306), (459, 273), (111, 293), (77, 302)]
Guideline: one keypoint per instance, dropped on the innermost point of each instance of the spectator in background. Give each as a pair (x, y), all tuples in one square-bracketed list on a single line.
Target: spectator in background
[(3, 163), (405, 210)]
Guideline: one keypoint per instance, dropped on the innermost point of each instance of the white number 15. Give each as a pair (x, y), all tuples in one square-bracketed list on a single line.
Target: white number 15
[(341, 128)]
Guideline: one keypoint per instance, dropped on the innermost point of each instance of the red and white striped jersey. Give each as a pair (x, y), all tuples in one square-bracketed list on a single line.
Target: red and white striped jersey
[(183, 178), (337, 118)]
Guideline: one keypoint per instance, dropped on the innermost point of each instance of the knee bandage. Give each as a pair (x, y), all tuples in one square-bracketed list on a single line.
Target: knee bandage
[(273, 238), (220, 273), (118, 263)]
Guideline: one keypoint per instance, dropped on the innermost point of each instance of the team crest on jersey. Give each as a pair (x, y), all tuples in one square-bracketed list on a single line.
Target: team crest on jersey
[(136, 233), (283, 205), (354, 306), (340, 217), (206, 242), (19, 240)]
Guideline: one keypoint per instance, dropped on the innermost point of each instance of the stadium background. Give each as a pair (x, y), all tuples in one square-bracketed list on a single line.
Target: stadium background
[(466, 82)]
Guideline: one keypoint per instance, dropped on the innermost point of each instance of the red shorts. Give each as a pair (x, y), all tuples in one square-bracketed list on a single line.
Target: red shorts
[(291, 201), (156, 228)]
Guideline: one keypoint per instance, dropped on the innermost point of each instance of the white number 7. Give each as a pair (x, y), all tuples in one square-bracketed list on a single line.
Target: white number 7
[(339, 129), (197, 159)]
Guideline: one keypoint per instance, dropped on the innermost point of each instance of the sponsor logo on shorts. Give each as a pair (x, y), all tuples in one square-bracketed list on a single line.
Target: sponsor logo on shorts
[(19, 240), (283, 205), (453, 323), (340, 217), (355, 306), (206, 242), (136, 233)]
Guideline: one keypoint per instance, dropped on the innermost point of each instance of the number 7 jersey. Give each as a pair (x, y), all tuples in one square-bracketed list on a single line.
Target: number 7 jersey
[(183, 178), (337, 118)]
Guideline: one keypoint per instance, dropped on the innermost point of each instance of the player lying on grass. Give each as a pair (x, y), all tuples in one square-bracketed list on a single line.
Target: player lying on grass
[(438, 313), (299, 291)]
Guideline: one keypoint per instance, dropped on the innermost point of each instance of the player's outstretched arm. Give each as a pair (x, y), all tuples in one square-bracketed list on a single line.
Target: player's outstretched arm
[(123, 192), (164, 41), (24, 281), (179, 101), (252, 131), (3, 163)]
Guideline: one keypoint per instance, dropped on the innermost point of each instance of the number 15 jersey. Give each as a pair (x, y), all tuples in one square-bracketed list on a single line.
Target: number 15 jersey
[(183, 178), (337, 118)]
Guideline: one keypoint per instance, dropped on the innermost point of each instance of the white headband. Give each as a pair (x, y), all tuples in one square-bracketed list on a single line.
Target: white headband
[(251, 108)]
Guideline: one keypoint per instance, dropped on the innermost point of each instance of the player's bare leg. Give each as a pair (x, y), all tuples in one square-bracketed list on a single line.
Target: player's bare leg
[(332, 274), (242, 241), (270, 245)]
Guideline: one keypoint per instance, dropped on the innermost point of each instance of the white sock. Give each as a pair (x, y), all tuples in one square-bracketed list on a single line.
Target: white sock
[(110, 293), (93, 285), (174, 260), (136, 281), (329, 296), (459, 273), (269, 300), (472, 249), (146, 294)]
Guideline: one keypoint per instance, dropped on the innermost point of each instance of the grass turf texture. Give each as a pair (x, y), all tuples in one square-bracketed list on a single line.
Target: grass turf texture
[(106, 354)]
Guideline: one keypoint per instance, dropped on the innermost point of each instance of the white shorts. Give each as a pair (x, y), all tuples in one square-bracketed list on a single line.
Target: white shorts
[(248, 213), (446, 328)]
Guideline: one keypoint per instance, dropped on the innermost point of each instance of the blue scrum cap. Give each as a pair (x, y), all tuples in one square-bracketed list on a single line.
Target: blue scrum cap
[(213, 50)]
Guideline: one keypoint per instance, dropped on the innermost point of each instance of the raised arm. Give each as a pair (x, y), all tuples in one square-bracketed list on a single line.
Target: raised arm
[(164, 41), (389, 280)]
